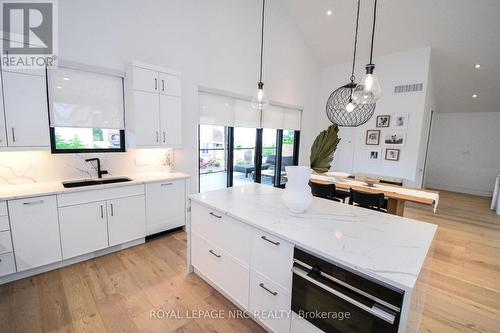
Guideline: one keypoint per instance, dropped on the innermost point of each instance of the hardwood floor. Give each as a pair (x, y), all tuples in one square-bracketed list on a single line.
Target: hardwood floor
[(117, 292)]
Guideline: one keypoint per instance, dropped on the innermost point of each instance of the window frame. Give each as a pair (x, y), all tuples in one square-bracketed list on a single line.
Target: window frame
[(54, 149)]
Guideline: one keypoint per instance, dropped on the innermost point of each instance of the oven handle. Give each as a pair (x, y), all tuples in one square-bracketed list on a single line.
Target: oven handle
[(377, 312)]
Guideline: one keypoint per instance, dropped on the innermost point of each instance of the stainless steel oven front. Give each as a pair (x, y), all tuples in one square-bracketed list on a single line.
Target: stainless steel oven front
[(335, 299)]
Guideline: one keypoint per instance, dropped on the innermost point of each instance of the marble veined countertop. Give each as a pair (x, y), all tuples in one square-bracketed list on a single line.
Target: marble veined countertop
[(11, 192), (387, 247)]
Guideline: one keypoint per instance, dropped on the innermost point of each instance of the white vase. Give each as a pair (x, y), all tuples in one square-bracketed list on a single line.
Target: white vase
[(297, 195)]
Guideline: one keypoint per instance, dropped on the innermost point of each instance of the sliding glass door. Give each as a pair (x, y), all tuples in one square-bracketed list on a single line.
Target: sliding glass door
[(243, 155), (212, 157)]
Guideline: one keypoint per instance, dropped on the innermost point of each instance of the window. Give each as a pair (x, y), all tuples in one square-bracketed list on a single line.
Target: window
[(77, 140), (212, 159)]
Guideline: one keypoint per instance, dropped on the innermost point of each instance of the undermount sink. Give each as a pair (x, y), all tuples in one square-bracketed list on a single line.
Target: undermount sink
[(92, 182)]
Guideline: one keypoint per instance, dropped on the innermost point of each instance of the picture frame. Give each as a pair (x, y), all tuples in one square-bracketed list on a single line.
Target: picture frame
[(400, 121), (373, 155), (392, 154), (372, 137), (383, 120), (394, 138)]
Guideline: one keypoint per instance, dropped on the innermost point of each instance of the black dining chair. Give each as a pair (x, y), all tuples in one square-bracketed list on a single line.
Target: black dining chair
[(375, 201), (325, 191)]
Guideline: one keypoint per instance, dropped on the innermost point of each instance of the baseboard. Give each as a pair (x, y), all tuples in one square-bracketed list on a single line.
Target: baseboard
[(459, 189), (67, 262)]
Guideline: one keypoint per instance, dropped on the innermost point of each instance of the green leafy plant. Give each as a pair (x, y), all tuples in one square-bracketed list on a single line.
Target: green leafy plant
[(323, 148)]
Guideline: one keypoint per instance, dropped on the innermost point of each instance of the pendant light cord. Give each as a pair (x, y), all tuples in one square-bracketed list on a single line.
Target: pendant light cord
[(355, 44), (262, 39), (373, 30)]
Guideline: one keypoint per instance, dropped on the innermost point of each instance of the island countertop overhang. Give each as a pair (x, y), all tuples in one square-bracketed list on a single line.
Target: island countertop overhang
[(389, 248)]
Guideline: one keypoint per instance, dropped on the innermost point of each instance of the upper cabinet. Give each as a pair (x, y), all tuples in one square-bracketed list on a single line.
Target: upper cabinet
[(25, 114), (154, 110)]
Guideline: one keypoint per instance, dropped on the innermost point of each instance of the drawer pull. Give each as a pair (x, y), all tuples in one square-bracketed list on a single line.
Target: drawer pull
[(34, 202), (215, 215), (274, 293), (214, 254), (270, 241), (166, 184)]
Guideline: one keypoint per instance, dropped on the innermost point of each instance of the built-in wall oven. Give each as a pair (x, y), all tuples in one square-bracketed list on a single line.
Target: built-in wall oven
[(335, 299)]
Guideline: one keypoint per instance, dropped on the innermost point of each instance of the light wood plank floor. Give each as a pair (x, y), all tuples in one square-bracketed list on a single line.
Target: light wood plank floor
[(117, 292)]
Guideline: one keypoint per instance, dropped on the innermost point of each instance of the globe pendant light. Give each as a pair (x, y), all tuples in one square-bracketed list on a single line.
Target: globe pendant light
[(342, 107), (259, 100), (369, 90)]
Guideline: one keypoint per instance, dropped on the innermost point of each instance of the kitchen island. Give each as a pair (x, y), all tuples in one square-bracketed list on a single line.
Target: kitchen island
[(245, 243)]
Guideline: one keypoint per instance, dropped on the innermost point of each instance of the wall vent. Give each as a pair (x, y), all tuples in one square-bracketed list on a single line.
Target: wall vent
[(406, 88)]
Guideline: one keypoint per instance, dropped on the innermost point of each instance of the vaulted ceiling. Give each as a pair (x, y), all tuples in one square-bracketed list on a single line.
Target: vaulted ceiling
[(461, 33)]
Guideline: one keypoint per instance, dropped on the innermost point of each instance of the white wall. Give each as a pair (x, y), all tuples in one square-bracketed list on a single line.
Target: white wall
[(464, 154), (213, 43), (394, 69)]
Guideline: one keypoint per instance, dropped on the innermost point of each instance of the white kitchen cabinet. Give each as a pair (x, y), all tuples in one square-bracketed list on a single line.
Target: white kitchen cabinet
[(154, 110), (35, 231), (147, 128), (7, 264), (170, 120), (5, 242), (3, 133), (126, 219), (145, 80), (84, 228), (25, 98), (165, 205), (170, 84)]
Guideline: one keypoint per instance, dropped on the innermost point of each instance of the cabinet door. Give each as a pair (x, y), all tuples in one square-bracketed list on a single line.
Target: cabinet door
[(171, 120), (126, 219), (25, 98), (165, 206), (147, 119), (35, 231), (84, 228), (170, 84), (145, 80), (3, 134)]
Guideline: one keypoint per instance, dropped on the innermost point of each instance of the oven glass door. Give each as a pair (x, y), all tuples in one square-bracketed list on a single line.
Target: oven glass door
[(333, 308)]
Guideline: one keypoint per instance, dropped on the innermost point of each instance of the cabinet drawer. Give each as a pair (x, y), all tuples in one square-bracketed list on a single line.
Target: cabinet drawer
[(3, 208), (273, 258), (266, 297), (230, 276), (5, 242), (77, 198), (4, 223), (7, 264), (227, 233)]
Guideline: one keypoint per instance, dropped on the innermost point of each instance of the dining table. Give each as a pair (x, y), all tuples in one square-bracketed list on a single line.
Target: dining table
[(396, 195)]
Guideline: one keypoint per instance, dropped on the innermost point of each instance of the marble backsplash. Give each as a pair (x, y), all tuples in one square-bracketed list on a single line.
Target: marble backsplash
[(23, 167)]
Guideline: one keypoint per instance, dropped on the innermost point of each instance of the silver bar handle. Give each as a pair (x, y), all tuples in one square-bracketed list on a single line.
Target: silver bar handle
[(167, 184), (215, 254), (13, 134), (377, 312), (274, 293), (270, 241), (112, 210), (102, 212), (215, 215), (38, 202), (156, 136), (164, 137), (156, 84), (163, 85)]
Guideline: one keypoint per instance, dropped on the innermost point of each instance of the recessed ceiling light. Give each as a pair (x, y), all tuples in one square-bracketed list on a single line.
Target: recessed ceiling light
[(474, 96), (59, 87), (477, 66), (66, 78), (329, 13)]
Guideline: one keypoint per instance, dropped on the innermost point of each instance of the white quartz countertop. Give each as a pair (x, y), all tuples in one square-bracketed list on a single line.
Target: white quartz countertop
[(387, 247), (10, 192)]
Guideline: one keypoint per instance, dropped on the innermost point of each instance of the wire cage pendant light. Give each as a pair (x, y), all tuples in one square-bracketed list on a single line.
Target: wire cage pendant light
[(343, 107)]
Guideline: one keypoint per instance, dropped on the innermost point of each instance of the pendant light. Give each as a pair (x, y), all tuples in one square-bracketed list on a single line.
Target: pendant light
[(369, 90), (342, 107), (260, 101)]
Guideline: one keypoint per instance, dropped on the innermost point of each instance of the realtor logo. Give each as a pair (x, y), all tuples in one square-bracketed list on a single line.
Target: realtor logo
[(29, 33)]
